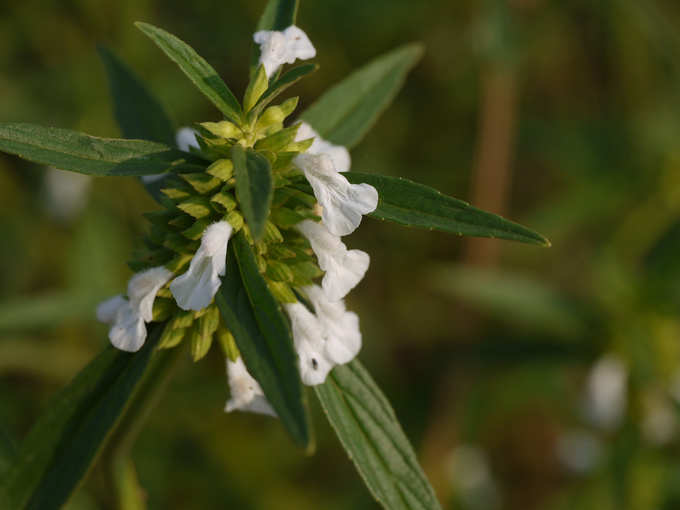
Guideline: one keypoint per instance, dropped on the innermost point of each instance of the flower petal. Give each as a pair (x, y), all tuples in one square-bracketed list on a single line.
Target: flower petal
[(143, 287), (338, 153), (186, 138), (128, 331), (343, 203), (246, 393), (196, 288), (278, 48), (309, 345), (106, 310), (344, 268)]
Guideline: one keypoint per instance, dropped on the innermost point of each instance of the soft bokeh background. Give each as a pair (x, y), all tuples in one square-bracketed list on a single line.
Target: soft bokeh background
[(527, 378)]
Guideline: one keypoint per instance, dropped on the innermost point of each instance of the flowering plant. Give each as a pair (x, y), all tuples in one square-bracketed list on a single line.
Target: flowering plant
[(245, 252)]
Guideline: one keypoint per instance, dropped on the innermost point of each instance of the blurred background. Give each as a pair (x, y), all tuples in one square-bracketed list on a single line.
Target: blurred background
[(527, 378)]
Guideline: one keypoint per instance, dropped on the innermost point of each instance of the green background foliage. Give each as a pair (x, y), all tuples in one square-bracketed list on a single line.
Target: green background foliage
[(474, 343)]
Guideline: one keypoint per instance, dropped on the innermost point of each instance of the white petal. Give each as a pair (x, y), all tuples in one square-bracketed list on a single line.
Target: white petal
[(67, 193), (128, 331), (298, 44), (143, 287), (309, 345), (343, 203), (607, 392), (344, 268), (196, 288), (339, 154), (278, 48), (340, 328), (106, 310), (246, 393), (186, 138)]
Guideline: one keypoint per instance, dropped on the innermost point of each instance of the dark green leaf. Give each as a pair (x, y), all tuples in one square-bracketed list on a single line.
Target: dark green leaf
[(288, 79), (197, 70), (347, 111), (278, 15), (254, 187), (78, 152), (263, 337), (65, 441), (370, 433), (8, 451), (139, 114), (415, 205)]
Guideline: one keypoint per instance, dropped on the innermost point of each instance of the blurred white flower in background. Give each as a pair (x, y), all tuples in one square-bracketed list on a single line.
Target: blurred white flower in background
[(66, 193), (659, 424), (607, 392), (471, 478)]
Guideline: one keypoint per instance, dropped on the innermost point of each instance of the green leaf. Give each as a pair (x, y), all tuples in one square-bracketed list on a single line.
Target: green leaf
[(8, 451), (258, 85), (197, 70), (416, 205), (370, 433), (78, 152), (254, 187), (347, 111), (288, 79), (138, 113), (278, 15), (64, 443), (263, 337)]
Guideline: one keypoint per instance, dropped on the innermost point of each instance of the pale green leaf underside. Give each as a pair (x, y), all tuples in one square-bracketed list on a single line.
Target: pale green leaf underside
[(416, 205), (91, 155), (345, 113), (195, 67), (65, 441), (370, 433), (263, 337)]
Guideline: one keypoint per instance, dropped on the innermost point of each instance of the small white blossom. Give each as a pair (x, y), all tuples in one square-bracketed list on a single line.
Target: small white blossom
[(246, 393), (344, 268), (338, 153), (186, 138), (128, 316), (343, 203), (66, 193), (278, 48), (195, 289), (607, 392), (323, 339)]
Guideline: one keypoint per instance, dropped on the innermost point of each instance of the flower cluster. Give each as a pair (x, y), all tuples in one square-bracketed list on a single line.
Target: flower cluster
[(182, 263)]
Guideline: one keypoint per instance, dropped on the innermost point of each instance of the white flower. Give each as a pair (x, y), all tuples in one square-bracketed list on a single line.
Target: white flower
[(325, 339), (66, 193), (128, 316), (309, 344), (340, 328), (246, 393), (186, 138), (338, 153), (278, 48), (607, 392), (195, 289), (344, 268), (343, 203)]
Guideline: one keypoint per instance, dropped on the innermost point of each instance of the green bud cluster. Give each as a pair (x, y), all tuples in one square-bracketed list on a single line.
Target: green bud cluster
[(193, 201)]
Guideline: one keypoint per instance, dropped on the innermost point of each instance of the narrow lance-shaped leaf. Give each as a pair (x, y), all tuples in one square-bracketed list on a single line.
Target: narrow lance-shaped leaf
[(370, 433), (345, 113), (138, 113), (254, 190), (263, 337), (416, 205), (278, 15), (91, 155), (197, 70), (65, 441)]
